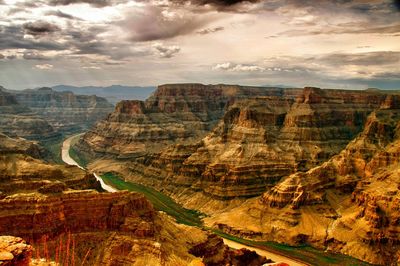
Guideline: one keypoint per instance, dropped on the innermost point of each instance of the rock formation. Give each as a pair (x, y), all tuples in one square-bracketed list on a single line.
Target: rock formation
[(349, 204), (14, 251), (19, 120), (325, 162), (226, 141), (23, 171), (174, 113), (57, 211), (64, 111)]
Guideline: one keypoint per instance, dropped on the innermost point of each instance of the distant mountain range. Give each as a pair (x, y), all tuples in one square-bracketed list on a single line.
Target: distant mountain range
[(113, 94)]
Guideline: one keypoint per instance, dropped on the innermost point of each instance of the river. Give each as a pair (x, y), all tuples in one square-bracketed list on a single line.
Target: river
[(273, 256), (68, 160)]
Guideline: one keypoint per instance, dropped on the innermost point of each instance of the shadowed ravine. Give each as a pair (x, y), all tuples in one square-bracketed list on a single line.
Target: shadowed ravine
[(277, 252)]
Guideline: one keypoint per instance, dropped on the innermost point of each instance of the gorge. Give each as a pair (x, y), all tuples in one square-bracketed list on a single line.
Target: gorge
[(272, 168), (259, 161)]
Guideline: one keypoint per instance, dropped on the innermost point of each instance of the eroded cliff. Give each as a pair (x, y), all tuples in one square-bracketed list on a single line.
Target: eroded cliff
[(64, 111), (174, 138), (349, 204), (19, 120), (57, 211), (325, 162)]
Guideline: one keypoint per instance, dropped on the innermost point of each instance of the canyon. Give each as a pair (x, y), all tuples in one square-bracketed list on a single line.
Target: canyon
[(64, 111), (19, 120), (53, 213), (299, 166)]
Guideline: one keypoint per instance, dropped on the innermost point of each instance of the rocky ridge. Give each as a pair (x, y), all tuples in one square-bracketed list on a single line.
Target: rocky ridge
[(176, 113), (19, 120), (64, 111)]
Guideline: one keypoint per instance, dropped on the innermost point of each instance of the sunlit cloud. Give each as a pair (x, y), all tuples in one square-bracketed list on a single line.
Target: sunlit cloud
[(44, 66)]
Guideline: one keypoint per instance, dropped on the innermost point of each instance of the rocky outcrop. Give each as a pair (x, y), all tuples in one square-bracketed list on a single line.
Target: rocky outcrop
[(64, 111), (19, 120), (35, 215), (14, 251), (119, 228), (216, 253)]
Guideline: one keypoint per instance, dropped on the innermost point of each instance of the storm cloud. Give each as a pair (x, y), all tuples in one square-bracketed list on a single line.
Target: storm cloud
[(95, 3), (345, 42), (152, 23), (39, 28)]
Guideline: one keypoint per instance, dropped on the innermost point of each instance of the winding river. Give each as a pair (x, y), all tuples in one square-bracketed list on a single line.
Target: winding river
[(273, 256)]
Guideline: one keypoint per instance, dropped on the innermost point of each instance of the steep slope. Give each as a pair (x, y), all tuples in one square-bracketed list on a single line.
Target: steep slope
[(23, 171), (19, 120), (64, 111), (349, 204), (177, 113)]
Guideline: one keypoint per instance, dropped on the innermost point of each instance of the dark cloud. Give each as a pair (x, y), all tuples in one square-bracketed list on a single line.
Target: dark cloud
[(217, 3), (39, 28), (16, 10), (11, 57), (210, 30), (150, 24), (95, 3), (239, 6), (61, 14), (12, 37)]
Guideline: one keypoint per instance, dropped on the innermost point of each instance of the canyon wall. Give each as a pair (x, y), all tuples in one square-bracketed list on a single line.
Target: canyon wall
[(64, 111), (349, 204), (57, 210), (228, 141), (19, 120), (300, 166)]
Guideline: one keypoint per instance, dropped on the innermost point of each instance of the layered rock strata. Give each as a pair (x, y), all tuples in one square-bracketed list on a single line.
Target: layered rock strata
[(64, 111), (19, 120), (119, 228), (349, 204), (178, 113), (57, 211), (229, 141)]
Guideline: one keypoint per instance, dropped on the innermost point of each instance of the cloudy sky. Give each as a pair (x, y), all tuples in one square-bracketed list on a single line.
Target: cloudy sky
[(326, 43)]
